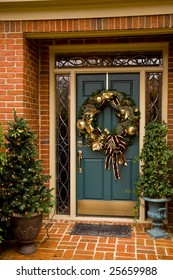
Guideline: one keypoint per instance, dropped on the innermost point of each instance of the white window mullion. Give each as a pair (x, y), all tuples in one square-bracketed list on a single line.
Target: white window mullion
[(107, 81)]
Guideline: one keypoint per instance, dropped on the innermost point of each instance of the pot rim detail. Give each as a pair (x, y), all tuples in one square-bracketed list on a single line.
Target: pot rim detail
[(157, 199)]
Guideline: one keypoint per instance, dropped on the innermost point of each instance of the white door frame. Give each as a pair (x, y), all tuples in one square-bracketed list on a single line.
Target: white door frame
[(73, 72)]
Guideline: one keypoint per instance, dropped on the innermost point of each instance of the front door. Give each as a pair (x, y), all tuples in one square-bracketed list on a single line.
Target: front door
[(98, 193)]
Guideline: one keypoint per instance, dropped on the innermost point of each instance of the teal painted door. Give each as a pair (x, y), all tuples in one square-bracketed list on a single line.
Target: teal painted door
[(98, 193)]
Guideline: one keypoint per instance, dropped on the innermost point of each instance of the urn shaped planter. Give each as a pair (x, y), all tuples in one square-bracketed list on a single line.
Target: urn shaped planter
[(25, 231), (157, 212)]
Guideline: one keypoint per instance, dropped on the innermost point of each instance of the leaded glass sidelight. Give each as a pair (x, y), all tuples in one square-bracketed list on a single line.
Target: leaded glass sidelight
[(62, 144), (153, 96)]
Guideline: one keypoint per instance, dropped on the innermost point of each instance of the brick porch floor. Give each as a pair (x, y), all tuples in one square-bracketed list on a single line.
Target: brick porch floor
[(60, 245)]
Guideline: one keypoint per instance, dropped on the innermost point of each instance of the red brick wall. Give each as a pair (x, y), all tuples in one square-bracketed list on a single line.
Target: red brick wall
[(11, 74), (19, 77), (93, 24), (31, 89), (44, 103), (24, 63)]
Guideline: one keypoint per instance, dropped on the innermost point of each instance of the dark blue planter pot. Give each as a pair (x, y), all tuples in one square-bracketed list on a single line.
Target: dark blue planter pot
[(157, 212)]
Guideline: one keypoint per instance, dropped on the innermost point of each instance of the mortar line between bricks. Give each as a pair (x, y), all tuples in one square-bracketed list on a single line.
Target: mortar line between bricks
[(96, 247), (115, 253), (155, 249), (74, 252), (166, 251), (135, 243)]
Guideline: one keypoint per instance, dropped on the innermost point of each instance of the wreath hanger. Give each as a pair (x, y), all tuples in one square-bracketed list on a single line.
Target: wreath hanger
[(112, 143)]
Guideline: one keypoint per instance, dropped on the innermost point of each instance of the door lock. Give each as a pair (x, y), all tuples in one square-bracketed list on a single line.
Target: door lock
[(79, 156)]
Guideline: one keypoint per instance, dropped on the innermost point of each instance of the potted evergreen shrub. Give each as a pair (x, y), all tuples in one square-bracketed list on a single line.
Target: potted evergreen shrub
[(23, 184), (154, 184)]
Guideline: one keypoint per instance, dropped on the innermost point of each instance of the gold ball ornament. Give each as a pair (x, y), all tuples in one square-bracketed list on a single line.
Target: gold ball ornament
[(98, 99), (131, 130), (122, 112), (107, 131), (81, 124), (135, 109)]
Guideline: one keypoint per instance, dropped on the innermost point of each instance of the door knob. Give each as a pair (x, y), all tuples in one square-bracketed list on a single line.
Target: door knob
[(79, 156)]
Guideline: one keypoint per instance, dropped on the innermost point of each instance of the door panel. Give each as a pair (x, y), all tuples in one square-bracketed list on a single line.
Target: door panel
[(128, 83), (86, 84), (120, 186), (95, 191), (95, 185)]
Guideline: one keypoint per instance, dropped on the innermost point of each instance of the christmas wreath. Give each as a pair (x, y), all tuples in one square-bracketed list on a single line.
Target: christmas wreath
[(112, 144)]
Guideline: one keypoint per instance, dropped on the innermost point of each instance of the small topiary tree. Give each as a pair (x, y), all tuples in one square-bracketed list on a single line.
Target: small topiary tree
[(23, 182), (154, 180)]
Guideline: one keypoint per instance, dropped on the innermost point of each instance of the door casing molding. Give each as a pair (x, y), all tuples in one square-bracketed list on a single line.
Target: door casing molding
[(73, 72)]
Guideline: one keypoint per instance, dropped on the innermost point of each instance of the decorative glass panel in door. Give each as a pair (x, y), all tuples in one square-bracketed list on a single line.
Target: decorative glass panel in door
[(98, 192)]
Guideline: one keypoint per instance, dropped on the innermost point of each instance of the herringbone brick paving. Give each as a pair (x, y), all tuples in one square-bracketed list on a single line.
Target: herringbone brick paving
[(55, 243)]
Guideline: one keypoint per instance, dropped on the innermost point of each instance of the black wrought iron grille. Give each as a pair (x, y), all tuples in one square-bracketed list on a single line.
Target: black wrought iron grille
[(62, 145), (153, 96), (109, 60)]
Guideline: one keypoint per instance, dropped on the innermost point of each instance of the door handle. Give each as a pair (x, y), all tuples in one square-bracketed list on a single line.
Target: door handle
[(79, 156)]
